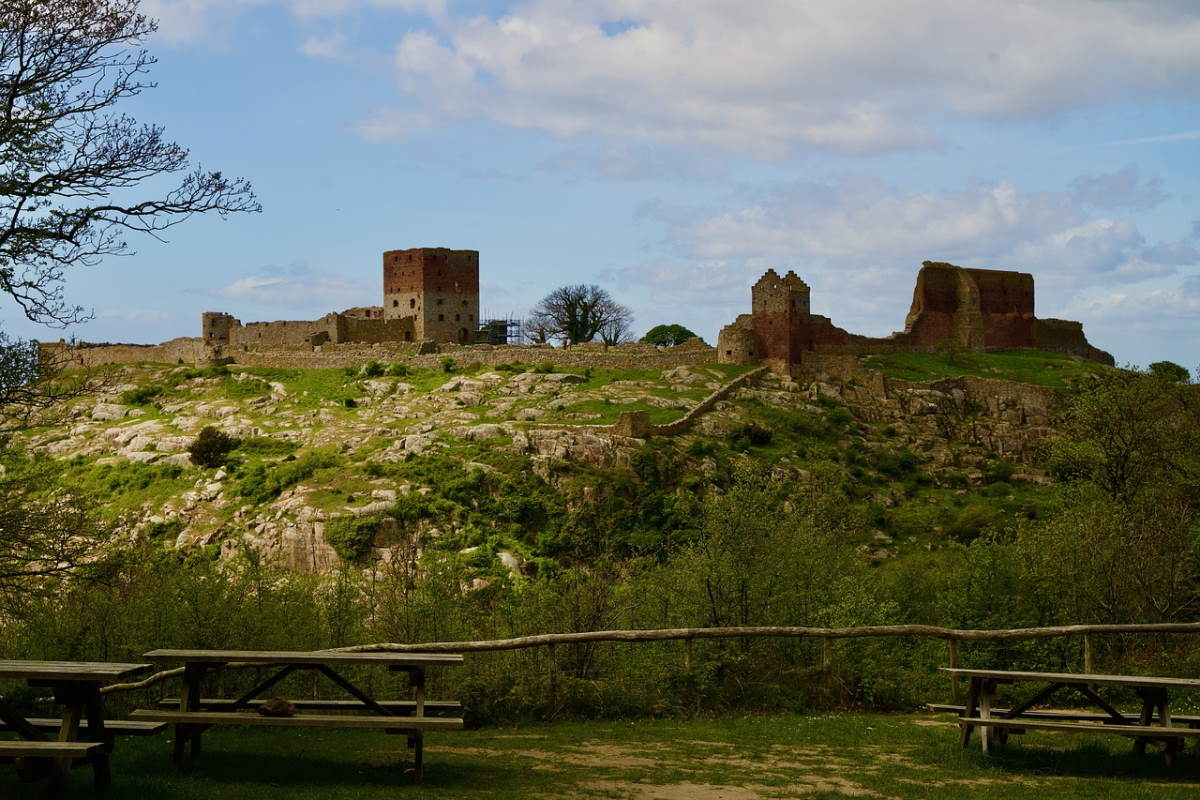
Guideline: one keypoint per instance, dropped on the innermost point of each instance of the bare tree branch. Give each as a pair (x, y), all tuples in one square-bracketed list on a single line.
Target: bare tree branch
[(579, 313), (67, 160)]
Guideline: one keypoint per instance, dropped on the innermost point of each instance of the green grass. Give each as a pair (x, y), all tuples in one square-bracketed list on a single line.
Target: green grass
[(1058, 370), (736, 758)]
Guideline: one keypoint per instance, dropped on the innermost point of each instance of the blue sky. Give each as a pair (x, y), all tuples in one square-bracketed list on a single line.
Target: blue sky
[(673, 150)]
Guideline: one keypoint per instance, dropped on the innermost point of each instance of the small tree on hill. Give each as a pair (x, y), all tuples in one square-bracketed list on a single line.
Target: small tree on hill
[(668, 335), (1170, 371), (579, 313), (211, 447)]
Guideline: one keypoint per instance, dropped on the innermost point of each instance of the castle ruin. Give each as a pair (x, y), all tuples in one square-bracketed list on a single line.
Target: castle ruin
[(429, 293), (952, 307)]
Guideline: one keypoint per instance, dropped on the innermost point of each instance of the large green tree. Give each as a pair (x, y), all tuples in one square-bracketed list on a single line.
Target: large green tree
[(668, 335), (1130, 432)]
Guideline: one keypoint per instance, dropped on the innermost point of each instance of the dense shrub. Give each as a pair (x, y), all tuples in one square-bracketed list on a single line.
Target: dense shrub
[(140, 396), (372, 369), (351, 537), (261, 483), (211, 447), (447, 363), (750, 435), (397, 370)]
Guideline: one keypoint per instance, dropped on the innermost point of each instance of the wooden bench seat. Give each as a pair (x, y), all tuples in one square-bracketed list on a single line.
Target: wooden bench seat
[(398, 706), (117, 727), (1149, 731), (1075, 716), (1078, 716), (23, 748), (302, 720)]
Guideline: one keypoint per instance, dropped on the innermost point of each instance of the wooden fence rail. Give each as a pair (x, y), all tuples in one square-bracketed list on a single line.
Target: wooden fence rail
[(688, 635)]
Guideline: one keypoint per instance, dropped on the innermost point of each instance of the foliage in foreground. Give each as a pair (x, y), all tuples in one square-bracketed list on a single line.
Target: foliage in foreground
[(653, 544)]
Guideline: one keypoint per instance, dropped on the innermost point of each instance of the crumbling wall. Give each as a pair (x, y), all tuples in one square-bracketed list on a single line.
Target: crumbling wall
[(1065, 336), (945, 309), (190, 350), (737, 342)]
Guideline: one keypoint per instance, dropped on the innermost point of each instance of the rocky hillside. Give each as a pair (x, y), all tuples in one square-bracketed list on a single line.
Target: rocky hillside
[(370, 464)]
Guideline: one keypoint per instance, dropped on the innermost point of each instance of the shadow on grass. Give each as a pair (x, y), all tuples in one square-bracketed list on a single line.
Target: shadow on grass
[(1084, 760), (244, 773)]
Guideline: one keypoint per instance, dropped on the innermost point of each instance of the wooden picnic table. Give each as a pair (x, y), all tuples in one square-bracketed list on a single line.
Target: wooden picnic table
[(1153, 723), (49, 747), (194, 712)]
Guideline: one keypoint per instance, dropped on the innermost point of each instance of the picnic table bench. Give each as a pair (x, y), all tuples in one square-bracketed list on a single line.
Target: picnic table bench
[(194, 713), (1154, 722), (81, 736)]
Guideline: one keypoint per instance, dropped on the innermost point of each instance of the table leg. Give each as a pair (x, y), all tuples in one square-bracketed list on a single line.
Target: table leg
[(985, 711), (70, 695), (971, 707), (416, 741), (416, 679), (94, 707), (189, 700), (1147, 716)]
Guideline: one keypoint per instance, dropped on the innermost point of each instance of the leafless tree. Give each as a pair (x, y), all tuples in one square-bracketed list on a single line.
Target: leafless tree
[(617, 330), (69, 163), (581, 312)]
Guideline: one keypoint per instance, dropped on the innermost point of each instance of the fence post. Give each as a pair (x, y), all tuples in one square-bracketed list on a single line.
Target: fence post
[(826, 652), (687, 654), (955, 689), (1089, 662)]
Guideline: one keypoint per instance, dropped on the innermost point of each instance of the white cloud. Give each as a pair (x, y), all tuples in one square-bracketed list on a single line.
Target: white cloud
[(767, 77), (299, 287), (1122, 189), (859, 242)]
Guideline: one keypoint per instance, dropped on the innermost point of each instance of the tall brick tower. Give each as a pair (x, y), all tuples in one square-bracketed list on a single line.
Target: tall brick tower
[(437, 286), (780, 309)]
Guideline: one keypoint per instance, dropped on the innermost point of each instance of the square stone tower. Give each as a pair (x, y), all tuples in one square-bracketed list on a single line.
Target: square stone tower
[(437, 286), (780, 313)]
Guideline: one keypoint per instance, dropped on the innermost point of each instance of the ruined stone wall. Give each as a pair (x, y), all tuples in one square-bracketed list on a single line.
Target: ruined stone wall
[(945, 308), (737, 343), (190, 350), (282, 333), (1065, 336), (636, 424), (370, 331), (1006, 307)]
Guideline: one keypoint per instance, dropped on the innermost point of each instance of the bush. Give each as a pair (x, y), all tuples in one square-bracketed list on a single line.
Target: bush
[(211, 447), (544, 368), (266, 446), (372, 369), (351, 537), (1170, 371), (140, 396), (1001, 472), (839, 417), (261, 484), (398, 370), (750, 435), (447, 363), (969, 523)]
